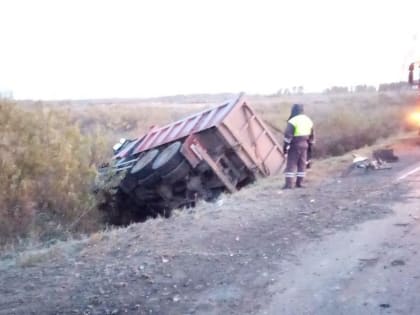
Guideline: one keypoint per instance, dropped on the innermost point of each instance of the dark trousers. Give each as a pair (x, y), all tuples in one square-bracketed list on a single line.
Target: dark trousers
[(296, 161)]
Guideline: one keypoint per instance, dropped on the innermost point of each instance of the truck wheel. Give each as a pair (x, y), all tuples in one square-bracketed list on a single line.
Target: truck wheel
[(178, 173), (150, 180), (143, 167), (168, 159)]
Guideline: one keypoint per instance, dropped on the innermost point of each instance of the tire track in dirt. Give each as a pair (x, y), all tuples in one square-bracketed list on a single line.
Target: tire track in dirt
[(371, 269)]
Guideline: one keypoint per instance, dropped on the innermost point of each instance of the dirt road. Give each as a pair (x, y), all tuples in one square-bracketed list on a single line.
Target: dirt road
[(372, 269), (342, 246)]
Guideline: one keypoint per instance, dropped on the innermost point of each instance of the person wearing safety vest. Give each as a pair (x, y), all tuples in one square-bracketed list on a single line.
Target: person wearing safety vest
[(298, 140)]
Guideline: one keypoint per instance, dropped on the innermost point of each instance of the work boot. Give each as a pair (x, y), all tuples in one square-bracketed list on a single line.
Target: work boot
[(299, 182), (288, 183)]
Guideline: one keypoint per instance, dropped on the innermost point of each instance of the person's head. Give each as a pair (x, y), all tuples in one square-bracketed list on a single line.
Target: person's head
[(297, 109)]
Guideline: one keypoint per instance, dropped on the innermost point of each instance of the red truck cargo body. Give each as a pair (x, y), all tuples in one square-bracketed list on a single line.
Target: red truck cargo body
[(220, 149), (236, 122)]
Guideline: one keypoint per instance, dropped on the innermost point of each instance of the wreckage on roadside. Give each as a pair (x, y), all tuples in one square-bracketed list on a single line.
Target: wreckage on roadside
[(221, 149)]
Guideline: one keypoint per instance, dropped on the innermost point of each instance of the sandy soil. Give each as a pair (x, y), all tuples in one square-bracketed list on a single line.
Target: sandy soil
[(343, 245)]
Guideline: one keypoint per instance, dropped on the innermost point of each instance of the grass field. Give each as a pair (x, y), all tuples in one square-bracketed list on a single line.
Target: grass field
[(49, 151)]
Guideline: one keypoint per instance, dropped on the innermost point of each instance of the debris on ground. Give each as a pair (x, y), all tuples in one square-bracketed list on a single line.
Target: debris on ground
[(385, 155), (380, 161), (385, 305), (398, 262)]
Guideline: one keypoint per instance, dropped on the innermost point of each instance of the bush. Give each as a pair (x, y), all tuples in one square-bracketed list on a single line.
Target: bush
[(343, 122), (46, 169)]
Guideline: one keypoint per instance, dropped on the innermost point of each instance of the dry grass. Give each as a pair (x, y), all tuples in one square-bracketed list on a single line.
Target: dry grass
[(47, 167), (126, 120), (348, 121), (225, 210), (33, 258), (48, 153)]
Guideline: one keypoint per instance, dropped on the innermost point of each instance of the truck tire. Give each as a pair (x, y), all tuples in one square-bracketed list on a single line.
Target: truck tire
[(143, 167), (168, 159), (178, 173), (149, 181)]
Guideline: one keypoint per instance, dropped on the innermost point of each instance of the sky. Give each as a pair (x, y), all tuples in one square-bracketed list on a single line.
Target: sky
[(79, 49)]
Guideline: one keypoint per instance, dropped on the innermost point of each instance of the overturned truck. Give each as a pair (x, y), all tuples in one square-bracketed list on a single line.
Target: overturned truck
[(220, 149)]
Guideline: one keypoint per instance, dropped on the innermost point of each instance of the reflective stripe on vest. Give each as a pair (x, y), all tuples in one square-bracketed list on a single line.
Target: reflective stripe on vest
[(303, 125)]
